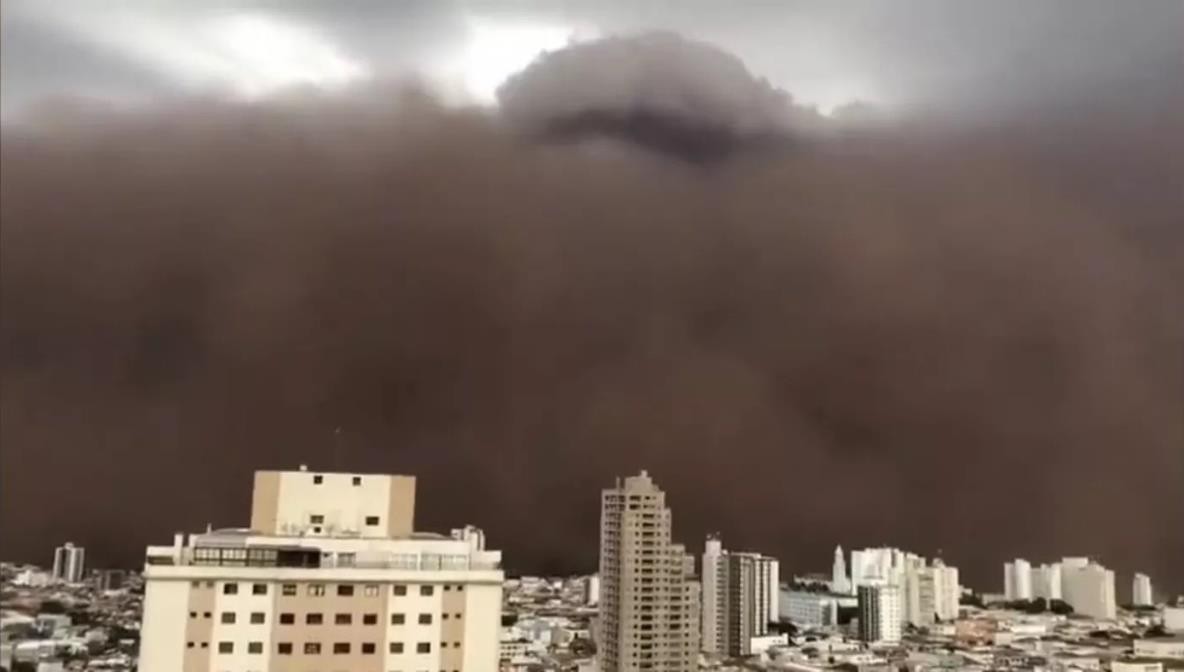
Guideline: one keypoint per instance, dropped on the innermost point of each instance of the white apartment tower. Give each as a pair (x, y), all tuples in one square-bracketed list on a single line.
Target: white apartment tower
[(1046, 581), (931, 593), (649, 600), (68, 563), (330, 575), (1017, 580), (1088, 587), (879, 613), (1141, 591), (839, 583), (740, 598)]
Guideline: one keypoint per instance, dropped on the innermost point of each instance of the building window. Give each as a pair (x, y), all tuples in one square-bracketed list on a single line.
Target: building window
[(316, 529), (396, 647), (259, 589), (255, 647), (189, 645), (345, 590), (369, 619), (316, 589), (372, 520), (314, 618), (368, 647), (228, 617), (370, 591), (209, 584), (205, 645), (225, 647), (400, 589), (341, 647), (343, 619), (287, 618), (316, 519), (205, 614), (257, 618), (195, 584), (444, 617), (312, 648), (347, 560), (398, 619), (426, 590), (230, 589), (193, 614), (456, 615), (425, 619), (357, 480), (423, 647), (460, 587), (284, 648), (318, 479), (447, 587), (288, 589)]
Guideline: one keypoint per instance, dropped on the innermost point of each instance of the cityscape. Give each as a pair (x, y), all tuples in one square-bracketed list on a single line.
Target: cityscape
[(332, 573), (592, 336)]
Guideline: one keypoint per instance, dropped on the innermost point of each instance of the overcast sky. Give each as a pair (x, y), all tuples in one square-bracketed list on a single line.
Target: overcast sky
[(824, 53)]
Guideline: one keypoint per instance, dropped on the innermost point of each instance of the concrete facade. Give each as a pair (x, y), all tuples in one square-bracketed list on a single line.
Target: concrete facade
[(649, 600), (240, 600)]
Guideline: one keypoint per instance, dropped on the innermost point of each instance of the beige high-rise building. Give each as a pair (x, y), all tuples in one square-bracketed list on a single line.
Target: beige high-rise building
[(740, 598), (649, 599), (330, 576)]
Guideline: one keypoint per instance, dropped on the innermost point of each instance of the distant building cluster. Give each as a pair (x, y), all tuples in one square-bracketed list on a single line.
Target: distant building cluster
[(332, 574), (1083, 584)]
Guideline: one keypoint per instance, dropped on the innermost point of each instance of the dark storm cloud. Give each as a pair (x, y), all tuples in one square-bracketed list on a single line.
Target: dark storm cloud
[(929, 333), (958, 332), (658, 90)]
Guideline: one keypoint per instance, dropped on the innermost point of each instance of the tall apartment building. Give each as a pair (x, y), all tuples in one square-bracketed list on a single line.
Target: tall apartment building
[(1046, 581), (930, 593), (879, 613), (740, 598), (68, 563), (1017, 580), (330, 576), (1141, 591), (649, 615), (1088, 587)]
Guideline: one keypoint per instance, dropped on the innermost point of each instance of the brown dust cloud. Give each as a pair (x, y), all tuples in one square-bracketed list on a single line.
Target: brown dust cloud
[(958, 332)]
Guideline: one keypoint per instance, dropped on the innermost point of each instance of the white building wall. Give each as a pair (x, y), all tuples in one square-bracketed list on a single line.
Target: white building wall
[(1173, 619), (1089, 589), (1141, 591), (774, 587), (162, 635)]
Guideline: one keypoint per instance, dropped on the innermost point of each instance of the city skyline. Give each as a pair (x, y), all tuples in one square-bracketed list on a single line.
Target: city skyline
[(848, 561)]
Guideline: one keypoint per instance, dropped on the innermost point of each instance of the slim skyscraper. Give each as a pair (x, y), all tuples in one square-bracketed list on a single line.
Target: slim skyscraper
[(740, 598), (1141, 591), (68, 563), (839, 582), (648, 596)]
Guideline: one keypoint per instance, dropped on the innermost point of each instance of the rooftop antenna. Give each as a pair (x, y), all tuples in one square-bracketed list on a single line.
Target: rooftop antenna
[(337, 437)]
